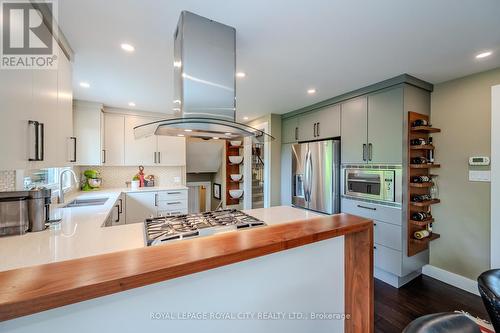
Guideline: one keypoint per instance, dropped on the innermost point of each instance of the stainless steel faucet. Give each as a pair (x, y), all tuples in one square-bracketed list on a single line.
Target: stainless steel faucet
[(61, 192)]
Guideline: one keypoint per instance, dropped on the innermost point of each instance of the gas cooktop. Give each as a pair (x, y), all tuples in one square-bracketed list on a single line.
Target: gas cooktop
[(160, 230)]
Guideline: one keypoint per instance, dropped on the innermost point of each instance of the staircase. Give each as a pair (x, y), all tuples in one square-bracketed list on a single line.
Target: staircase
[(258, 176)]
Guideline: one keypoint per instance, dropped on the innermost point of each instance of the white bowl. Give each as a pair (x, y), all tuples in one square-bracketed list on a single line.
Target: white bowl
[(236, 177), (235, 143), (235, 159), (235, 194)]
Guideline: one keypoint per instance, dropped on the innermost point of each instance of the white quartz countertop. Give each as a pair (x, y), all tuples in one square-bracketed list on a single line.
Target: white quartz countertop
[(81, 232)]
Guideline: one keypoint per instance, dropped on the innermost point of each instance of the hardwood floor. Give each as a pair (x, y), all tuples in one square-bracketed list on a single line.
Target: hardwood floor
[(396, 308)]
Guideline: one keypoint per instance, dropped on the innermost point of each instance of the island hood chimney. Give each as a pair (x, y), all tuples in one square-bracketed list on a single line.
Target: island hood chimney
[(204, 84)]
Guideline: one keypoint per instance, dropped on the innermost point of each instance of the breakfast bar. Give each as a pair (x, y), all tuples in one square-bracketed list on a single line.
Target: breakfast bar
[(327, 261)]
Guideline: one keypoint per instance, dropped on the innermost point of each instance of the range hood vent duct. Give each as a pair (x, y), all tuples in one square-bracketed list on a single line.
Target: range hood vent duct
[(204, 84)]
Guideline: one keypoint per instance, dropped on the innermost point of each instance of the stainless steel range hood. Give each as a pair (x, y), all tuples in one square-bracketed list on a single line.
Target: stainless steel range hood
[(204, 84)]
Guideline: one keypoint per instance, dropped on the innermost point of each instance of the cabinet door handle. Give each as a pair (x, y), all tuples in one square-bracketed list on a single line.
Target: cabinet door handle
[(317, 129), (121, 206), (314, 130), (154, 154), (34, 123), (374, 247), (370, 151), (103, 156), (42, 141), (156, 199), (296, 133), (364, 151), (74, 149), (118, 213), (364, 207), (159, 157)]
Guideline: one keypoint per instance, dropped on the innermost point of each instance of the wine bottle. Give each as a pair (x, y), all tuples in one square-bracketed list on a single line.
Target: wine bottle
[(420, 179), (421, 234), (419, 160), (420, 197), (420, 122), (418, 142), (420, 216)]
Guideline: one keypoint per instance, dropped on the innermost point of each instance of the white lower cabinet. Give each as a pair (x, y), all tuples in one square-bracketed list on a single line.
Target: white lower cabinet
[(143, 205)]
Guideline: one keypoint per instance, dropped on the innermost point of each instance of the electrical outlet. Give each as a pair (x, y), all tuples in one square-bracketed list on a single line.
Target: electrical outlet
[(177, 180)]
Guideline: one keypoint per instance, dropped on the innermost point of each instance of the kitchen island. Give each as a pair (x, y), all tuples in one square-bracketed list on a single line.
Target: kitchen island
[(301, 272)]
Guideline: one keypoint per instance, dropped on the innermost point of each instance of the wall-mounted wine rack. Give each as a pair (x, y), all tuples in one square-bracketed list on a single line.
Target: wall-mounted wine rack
[(422, 169)]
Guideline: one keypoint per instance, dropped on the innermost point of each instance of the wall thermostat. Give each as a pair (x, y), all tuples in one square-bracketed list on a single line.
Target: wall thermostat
[(479, 160)]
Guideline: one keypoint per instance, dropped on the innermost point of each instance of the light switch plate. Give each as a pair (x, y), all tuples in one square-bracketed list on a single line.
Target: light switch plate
[(479, 176)]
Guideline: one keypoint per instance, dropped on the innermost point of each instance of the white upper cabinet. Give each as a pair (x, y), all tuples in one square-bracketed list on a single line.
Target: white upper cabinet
[(139, 151), (37, 116), (171, 151), (114, 138), (88, 122)]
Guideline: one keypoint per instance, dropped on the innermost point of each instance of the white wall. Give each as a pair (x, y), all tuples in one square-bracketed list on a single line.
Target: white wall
[(495, 176)]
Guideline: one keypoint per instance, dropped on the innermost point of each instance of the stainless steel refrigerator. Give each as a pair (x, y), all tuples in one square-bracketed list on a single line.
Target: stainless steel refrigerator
[(316, 176)]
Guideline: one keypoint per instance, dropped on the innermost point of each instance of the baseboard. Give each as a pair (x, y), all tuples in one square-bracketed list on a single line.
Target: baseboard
[(451, 278)]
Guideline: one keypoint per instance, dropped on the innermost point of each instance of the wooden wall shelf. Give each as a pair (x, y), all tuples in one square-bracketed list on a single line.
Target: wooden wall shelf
[(422, 147), (416, 246), (425, 166), (422, 223), (425, 129), (421, 185), (425, 203), (426, 240), (232, 169)]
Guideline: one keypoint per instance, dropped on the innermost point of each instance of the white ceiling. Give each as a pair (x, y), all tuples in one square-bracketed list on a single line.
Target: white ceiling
[(284, 46)]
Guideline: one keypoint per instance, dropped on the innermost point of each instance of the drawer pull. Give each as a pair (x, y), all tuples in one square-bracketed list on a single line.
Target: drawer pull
[(174, 203), (374, 247), (173, 192), (364, 207)]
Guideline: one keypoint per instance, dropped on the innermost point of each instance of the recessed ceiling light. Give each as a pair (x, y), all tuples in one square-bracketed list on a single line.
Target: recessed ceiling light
[(311, 91), (84, 84), (177, 101), (215, 138), (132, 104), (181, 135), (127, 47), (245, 118), (188, 130), (484, 54), (228, 134), (177, 64), (241, 74)]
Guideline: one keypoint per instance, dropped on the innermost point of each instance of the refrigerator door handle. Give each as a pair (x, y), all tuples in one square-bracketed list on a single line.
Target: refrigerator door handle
[(309, 174)]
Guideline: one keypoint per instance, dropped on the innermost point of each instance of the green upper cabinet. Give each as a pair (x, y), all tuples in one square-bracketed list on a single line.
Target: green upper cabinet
[(354, 131), (316, 125), (385, 126), (289, 130), (372, 128)]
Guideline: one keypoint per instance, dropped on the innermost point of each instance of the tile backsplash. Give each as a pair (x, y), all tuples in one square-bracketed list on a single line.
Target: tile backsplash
[(115, 177), (8, 180)]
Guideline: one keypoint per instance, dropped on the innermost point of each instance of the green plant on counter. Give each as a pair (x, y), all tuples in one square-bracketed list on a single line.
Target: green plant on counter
[(135, 177)]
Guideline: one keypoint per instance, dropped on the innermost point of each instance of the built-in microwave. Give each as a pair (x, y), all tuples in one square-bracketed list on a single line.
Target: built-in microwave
[(374, 184)]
